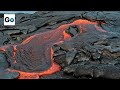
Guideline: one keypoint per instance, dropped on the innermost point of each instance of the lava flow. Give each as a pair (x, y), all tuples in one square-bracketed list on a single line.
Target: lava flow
[(33, 58)]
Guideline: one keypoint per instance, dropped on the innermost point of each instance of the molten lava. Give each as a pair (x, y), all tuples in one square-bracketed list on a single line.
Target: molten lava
[(33, 58), (14, 52)]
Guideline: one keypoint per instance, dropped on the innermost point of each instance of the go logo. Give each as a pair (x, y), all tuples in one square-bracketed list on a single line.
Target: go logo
[(9, 19)]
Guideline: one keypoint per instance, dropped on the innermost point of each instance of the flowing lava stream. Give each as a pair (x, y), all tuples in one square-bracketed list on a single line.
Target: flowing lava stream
[(33, 58)]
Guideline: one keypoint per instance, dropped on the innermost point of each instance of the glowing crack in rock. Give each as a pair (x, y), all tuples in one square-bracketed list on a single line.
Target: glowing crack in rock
[(33, 58)]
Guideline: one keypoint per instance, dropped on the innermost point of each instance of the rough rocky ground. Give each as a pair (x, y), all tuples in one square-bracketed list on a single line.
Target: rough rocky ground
[(88, 55)]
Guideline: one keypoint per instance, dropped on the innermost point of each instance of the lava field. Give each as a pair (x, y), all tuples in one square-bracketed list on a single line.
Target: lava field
[(61, 45)]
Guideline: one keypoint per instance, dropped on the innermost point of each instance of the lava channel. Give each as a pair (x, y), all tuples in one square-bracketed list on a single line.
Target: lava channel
[(33, 58)]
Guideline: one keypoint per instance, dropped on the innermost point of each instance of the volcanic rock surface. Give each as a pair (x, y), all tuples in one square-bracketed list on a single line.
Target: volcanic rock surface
[(86, 50)]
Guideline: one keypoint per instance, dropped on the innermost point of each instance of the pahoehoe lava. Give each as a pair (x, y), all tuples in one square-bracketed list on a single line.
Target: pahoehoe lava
[(33, 58)]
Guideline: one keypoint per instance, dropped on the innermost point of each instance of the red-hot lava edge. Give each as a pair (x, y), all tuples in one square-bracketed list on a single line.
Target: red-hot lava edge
[(60, 36)]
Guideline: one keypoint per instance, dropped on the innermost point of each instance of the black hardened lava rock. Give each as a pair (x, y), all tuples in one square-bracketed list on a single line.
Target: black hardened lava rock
[(90, 54), (42, 21), (98, 55), (3, 62), (5, 74)]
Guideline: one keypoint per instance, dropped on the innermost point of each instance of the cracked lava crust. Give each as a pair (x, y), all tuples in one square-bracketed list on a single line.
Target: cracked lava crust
[(33, 58)]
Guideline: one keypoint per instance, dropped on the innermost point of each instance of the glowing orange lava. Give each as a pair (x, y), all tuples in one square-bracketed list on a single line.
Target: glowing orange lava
[(27, 40), (28, 75), (66, 36), (14, 52), (48, 39), (3, 48)]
